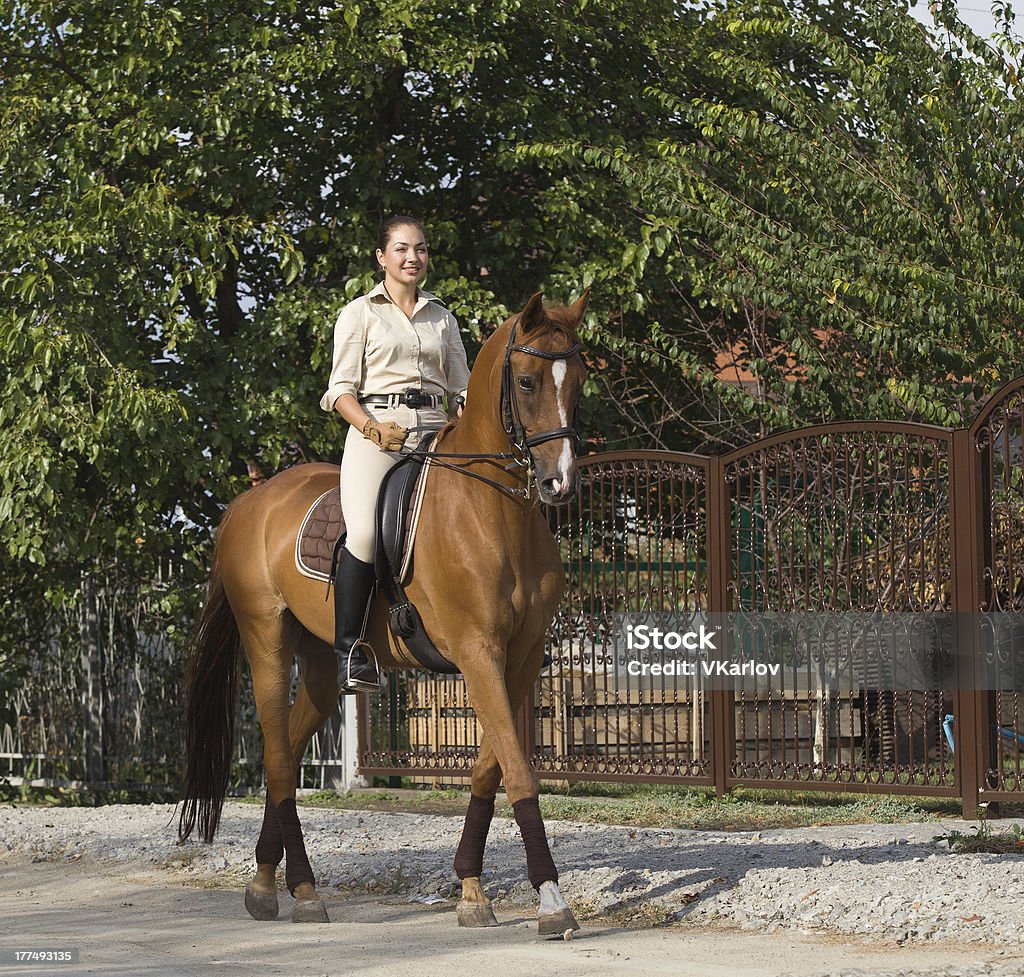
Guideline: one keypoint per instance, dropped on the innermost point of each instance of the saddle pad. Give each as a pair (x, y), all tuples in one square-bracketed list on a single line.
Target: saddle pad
[(320, 529), (323, 524)]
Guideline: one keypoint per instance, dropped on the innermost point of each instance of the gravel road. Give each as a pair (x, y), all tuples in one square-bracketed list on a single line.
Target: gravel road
[(870, 885)]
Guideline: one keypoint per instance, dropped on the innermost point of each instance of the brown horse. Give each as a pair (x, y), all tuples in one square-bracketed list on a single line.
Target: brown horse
[(487, 580)]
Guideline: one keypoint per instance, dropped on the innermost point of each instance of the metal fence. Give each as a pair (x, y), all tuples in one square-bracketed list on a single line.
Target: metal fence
[(100, 707), (855, 516), (100, 703)]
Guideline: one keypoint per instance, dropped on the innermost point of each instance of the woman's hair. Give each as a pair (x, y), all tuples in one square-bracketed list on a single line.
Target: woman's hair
[(388, 228)]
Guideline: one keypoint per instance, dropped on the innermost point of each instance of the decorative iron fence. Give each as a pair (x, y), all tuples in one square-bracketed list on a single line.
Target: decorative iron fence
[(857, 516), (842, 517)]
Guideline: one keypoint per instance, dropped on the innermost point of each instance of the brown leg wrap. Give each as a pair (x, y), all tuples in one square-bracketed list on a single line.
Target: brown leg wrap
[(540, 866), (270, 847), (296, 867), (469, 859)]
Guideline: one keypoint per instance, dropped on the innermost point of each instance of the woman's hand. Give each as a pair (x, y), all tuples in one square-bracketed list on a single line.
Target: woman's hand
[(388, 436)]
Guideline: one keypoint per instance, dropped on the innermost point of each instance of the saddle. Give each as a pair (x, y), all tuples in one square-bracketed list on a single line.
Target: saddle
[(322, 534)]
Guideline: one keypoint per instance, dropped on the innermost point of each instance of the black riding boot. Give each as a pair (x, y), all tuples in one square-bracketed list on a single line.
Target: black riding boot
[(353, 583)]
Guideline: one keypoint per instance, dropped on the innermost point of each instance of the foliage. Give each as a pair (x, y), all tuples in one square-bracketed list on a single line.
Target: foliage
[(837, 202), (190, 190), (24, 795)]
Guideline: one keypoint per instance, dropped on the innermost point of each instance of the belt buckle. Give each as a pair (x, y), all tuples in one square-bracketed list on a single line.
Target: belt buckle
[(413, 398)]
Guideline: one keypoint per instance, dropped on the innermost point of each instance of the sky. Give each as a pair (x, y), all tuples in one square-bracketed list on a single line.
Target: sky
[(977, 14)]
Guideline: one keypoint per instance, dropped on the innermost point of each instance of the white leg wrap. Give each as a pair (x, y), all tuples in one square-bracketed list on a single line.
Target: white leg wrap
[(551, 900)]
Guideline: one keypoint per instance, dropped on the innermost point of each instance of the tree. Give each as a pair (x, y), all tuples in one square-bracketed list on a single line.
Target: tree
[(190, 192), (839, 200)]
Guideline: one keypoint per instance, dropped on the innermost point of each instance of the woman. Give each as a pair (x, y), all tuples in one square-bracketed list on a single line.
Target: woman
[(397, 351)]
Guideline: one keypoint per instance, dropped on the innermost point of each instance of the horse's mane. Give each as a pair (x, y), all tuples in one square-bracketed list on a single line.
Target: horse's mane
[(450, 425)]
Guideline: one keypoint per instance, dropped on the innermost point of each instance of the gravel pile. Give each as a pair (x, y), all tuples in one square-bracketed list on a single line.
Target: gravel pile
[(892, 881)]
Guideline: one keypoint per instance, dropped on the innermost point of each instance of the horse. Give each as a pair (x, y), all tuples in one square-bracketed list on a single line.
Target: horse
[(487, 579)]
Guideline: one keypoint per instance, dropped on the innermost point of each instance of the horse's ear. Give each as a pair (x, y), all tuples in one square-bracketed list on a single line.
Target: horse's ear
[(578, 307), (533, 315)]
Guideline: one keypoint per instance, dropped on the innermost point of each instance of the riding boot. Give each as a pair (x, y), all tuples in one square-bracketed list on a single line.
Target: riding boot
[(353, 584)]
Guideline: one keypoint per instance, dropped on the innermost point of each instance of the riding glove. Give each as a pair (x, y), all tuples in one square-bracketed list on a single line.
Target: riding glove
[(388, 436)]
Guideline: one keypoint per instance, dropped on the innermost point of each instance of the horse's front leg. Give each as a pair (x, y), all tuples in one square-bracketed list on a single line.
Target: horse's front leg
[(474, 907), (490, 699)]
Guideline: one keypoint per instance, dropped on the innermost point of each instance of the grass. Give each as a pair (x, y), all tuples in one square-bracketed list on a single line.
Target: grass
[(26, 795), (664, 807), (642, 806)]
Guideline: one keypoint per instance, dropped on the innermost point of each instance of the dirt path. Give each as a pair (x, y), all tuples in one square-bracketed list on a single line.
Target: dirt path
[(139, 922)]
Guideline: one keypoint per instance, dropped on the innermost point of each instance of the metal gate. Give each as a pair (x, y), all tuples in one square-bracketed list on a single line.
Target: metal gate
[(872, 516)]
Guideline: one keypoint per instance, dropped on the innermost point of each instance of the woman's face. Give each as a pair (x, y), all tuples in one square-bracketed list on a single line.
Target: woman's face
[(405, 258)]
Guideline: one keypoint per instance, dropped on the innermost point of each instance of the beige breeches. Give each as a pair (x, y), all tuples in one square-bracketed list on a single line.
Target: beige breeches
[(363, 466)]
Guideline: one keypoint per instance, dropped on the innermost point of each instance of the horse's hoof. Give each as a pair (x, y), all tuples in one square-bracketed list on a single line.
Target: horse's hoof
[(475, 914), (309, 911), (260, 906), (557, 924)]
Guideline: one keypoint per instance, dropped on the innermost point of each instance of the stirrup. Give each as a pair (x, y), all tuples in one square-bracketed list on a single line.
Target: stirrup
[(357, 684)]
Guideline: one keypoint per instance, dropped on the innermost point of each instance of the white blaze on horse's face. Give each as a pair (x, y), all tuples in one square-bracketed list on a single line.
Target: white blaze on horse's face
[(549, 405), (565, 459)]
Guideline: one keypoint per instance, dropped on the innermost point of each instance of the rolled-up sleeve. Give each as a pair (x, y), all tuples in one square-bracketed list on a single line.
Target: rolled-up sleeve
[(349, 347), (456, 368)]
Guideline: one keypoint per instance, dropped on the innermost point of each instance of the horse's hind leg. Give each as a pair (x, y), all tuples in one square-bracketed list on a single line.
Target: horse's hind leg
[(316, 699), (261, 889), (269, 646), (318, 671)]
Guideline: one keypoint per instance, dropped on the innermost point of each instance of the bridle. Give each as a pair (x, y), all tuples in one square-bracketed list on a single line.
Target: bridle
[(519, 441), (510, 420)]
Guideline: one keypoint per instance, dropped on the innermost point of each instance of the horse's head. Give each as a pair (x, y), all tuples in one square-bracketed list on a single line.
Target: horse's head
[(543, 375)]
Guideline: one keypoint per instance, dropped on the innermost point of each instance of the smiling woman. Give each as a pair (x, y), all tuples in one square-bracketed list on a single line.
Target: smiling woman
[(397, 352)]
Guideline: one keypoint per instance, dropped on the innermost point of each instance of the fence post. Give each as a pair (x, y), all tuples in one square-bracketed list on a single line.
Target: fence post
[(721, 702), (91, 663), (526, 723), (967, 530), (343, 729), (361, 714)]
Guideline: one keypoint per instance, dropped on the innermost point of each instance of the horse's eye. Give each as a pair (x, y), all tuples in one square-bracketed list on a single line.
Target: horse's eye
[(526, 383)]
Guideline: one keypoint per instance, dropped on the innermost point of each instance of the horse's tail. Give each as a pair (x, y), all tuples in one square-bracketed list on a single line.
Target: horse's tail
[(211, 694)]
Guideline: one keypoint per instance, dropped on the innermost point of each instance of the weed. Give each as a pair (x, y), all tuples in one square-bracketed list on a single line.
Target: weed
[(983, 839)]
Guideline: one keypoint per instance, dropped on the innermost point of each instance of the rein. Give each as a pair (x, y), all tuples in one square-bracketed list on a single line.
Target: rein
[(521, 456)]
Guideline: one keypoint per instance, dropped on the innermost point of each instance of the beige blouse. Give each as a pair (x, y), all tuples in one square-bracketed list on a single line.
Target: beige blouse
[(380, 350)]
